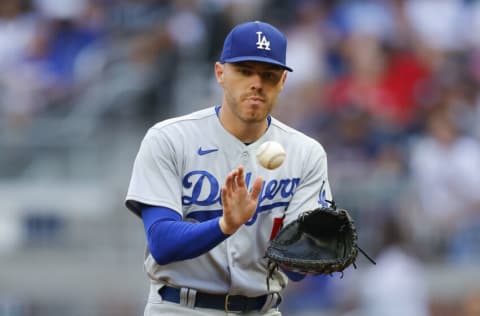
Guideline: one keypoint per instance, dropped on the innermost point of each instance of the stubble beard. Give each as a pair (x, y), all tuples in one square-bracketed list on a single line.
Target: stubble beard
[(246, 115)]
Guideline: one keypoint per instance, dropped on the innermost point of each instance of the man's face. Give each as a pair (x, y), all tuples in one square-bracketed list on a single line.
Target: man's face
[(250, 88)]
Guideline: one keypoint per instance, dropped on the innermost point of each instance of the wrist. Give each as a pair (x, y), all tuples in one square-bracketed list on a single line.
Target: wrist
[(224, 227)]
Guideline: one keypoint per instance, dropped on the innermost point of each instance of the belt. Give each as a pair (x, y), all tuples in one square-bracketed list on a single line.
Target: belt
[(226, 302)]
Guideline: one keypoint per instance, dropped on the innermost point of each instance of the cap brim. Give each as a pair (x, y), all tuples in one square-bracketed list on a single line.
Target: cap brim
[(257, 58)]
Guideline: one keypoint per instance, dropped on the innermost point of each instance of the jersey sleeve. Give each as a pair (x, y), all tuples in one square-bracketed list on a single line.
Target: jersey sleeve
[(314, 188), (155, 177)]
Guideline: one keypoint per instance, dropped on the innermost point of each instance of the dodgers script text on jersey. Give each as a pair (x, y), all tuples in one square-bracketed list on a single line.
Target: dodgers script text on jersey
[(203, 189)]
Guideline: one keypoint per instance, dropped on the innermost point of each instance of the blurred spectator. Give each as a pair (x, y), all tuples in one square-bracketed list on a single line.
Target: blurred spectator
[(61, 9), (17, 28), (380, 82), (306, 45), (440, 25), (350, 138), (187, 29), (368, 17), (138, 53), (306, 51), (471, 304), (397, 284), (18, 24), (445, 167), (44, 77)]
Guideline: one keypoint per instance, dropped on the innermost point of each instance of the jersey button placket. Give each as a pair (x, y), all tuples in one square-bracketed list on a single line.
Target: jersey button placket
[(245, 157)]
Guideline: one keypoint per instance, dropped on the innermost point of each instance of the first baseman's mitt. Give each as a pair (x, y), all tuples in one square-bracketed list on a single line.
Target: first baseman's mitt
[(321, 241)]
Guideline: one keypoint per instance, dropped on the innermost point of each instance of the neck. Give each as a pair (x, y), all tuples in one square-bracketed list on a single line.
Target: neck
[(246, 132)]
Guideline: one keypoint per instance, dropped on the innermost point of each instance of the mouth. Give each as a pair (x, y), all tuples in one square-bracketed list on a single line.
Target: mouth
[(255, 99)]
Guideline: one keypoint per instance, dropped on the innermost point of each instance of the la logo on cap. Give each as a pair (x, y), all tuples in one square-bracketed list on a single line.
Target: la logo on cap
[(262, 42), (268, 46)]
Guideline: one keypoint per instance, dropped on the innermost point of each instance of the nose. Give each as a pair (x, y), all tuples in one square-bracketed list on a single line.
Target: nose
[(256, 82)]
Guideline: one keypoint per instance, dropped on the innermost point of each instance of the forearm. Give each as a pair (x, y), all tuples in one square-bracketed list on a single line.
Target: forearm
[(170, 239)]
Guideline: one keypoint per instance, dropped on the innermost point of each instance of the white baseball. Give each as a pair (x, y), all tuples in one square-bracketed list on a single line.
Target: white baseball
[(271, 155)]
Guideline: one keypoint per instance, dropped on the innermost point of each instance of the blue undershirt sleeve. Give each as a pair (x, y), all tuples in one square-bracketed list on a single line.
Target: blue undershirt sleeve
[(171, 239)]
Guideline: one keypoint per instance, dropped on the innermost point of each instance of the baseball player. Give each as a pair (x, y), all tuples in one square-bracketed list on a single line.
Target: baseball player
[(209, 209)]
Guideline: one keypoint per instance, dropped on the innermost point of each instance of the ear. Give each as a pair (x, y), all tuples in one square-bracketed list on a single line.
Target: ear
[(219, 71), (283, 79)]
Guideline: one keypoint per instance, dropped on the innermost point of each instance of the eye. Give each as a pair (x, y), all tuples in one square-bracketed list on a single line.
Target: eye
[(245, 71), (271, 76), (268, 75)]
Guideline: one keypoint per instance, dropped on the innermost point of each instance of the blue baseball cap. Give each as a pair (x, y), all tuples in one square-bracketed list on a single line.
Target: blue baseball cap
[(255, 41)]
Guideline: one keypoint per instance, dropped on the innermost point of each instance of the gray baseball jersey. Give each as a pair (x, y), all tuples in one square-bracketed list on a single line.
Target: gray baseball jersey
[(182, 164)]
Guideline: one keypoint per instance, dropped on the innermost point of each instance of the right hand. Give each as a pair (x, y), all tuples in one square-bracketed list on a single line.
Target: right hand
[(239, 205)]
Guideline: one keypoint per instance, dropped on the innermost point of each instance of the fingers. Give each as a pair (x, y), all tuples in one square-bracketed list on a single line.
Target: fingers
[(230, 181), (228, 189), (238, 203), (235, 179), (240, 177), (223, 196), (256, 188)]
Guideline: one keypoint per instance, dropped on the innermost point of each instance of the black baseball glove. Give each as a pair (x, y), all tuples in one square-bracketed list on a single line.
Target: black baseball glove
[(321, 241)]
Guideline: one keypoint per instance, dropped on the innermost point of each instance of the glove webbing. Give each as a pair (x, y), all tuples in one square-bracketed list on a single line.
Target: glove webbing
[(334, 206)]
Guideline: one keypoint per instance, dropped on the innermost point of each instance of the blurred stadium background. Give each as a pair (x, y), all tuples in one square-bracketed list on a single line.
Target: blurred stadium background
[(391, 88)]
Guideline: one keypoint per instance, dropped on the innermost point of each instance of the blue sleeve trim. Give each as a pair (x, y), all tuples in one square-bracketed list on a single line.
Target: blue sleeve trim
[(170, 239)]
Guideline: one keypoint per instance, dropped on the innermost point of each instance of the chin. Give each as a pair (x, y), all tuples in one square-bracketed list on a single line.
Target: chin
[(255, 117), (255, 111), (257, 107)]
